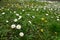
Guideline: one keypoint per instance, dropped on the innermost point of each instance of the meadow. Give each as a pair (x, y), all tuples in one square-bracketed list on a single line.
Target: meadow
[(30, 21)]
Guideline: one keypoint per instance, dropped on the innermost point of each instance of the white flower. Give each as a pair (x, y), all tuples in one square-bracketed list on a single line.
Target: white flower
[(3, 13), (47, 14), (21, 34), (17, 14), (19, 17), (37, 9), (14, 11), (58, 19), (15, 20), (18, 27), (28, 14), (29, 22), (7, 21), (33, 9), (23, 10), (33, 16), (13, 26), (52, 17)]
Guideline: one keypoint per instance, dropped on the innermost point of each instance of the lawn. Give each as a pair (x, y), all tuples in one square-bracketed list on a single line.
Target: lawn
[(30, 21)]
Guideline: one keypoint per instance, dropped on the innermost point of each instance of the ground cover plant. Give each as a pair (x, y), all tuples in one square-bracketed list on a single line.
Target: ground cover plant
[(30, 21)]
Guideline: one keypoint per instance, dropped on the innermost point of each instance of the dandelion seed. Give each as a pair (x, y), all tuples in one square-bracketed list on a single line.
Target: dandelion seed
[(13, 26), (21, 34), (18, 27)]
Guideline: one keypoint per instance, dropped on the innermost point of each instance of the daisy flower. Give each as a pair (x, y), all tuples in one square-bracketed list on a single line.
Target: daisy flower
[(15, 20), (18, 27), (21, 34), (13, 26)]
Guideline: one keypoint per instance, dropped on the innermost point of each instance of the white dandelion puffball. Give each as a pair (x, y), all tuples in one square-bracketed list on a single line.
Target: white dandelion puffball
[(18, 27), (13, 26), (3, 13), (47, 14), (15, 20), (21, 34), (20, 17)]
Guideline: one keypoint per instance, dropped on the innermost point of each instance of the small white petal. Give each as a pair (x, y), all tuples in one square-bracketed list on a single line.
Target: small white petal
[(18, 27), (21, 34), (13, 26)]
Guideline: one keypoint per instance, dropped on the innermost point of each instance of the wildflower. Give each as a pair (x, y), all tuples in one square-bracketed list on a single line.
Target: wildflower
[(3, 13), (17, 14), (33, 16), (29, 22), (37, 9), (14, 11), (28, 14), (15, 20), (58, 19), (7, 21), (23, 10), (45, 21), (42, 18), (18, 27), (21, 34), (20, 17), (41, 30), (47, 14), (13, 26)]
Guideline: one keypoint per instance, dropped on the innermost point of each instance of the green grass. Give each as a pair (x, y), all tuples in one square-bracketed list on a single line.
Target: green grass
[(42, 26)]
